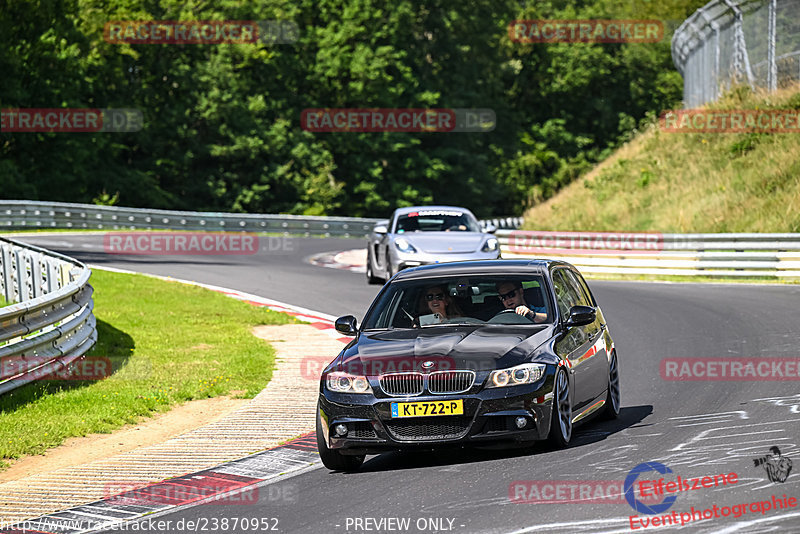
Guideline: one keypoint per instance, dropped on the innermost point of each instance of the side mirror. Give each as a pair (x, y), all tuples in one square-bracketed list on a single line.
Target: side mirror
[(490, 228), (581, 315), (346, 325), (380, 229)]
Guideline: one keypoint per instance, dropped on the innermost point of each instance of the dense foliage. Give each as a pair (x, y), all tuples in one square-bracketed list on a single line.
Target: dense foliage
[(222, 129)]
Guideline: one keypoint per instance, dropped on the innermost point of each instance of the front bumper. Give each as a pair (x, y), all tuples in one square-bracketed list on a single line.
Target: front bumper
[(489, 416), (402, 260)]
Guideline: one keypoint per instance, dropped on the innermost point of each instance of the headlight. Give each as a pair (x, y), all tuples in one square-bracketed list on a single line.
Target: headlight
[(347, 383), (403, 245), (490, 245), (527, 373)]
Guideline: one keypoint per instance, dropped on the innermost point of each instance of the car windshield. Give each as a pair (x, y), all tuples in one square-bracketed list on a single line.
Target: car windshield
[(460, 300), (437, 221)]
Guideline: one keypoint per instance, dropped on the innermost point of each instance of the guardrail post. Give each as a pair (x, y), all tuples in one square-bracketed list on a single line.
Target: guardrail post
[(23, 290), (52, 276), (7, 274), (63, 274), (37, 279)]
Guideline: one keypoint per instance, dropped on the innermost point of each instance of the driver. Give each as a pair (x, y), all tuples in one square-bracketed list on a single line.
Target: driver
[(513, 298)]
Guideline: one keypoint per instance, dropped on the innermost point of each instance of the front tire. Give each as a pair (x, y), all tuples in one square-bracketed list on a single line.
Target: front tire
[(561, 420), (611, 409), (333, 459), (390, 268), (371, 278)]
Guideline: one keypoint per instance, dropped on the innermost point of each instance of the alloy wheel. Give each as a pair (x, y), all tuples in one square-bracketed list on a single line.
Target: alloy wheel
[(563, 406), (613, 382)]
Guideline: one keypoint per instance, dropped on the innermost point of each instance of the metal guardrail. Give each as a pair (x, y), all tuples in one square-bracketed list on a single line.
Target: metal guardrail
[(28, 214), (729, 255), (21, 215), (751, 255), (504, 223), (725, 42), (49, 323)]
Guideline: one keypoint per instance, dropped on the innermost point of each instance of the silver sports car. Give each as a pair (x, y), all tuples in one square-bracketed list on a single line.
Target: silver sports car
[(422, 235)]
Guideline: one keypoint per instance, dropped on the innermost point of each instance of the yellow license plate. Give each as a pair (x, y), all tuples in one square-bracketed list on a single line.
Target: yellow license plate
[(427, 409)]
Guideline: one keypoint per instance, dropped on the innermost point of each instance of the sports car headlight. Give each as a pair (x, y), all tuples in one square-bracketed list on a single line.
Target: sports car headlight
[(403, 245), (347, 383), (527, 373), (490, 245)]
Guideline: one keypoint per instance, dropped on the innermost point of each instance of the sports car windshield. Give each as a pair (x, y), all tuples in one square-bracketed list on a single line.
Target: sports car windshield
[(437, 221), (458, 301)]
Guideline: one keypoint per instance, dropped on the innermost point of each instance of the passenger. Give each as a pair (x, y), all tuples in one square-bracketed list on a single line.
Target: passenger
[(438, 301), (513, 298)]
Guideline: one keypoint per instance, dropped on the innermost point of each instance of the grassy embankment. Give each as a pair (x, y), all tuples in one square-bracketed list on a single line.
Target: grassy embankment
[(167, 342), (685, 183)]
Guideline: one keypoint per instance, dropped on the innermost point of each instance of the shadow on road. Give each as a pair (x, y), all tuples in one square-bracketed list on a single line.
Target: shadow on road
[(588, 434)]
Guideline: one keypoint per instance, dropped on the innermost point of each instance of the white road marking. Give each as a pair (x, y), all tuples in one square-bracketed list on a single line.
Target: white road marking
[(746, 526), (576, 526), (711, 418), (792, 400)]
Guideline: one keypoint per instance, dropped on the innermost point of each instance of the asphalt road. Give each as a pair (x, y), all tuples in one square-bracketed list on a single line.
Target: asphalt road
[(694, 428)]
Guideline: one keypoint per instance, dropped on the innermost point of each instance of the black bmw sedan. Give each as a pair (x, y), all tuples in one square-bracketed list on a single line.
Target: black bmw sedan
[(467, 353)]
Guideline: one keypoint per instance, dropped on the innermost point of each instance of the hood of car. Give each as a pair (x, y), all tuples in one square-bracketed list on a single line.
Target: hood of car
[(444, 242), (435, 348)]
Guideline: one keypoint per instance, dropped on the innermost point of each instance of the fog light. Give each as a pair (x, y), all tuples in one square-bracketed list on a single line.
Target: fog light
[(521, 422), (341, 430)]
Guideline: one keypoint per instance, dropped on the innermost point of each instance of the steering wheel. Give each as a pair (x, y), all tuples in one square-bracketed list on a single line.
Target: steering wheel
[(518, 319)]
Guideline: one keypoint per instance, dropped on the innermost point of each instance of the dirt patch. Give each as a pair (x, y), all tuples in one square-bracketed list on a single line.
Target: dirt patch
[(269, 332), (156, 429)]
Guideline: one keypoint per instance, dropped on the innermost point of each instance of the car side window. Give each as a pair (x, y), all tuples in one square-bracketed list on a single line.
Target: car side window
[(566, 294), (585, 287), (583, 298)]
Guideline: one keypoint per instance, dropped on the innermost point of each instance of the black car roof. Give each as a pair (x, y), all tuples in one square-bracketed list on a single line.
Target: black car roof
[(465, 268)]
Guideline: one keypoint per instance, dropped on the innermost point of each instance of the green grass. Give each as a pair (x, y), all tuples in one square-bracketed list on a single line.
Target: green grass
[(689, 278), (168, 343), (684, 183)]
